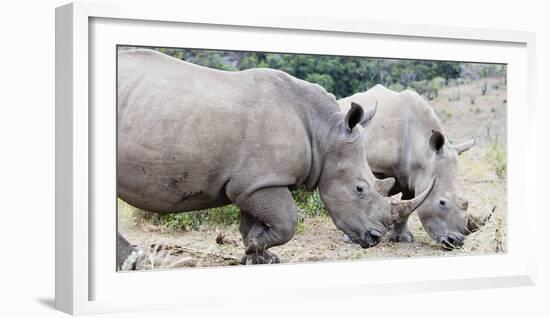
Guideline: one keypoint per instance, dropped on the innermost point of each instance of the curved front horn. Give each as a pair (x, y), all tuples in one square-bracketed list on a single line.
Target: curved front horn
[(401, 209), (460, 148)]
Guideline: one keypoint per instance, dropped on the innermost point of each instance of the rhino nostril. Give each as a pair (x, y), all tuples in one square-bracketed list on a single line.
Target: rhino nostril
[(375, 234)]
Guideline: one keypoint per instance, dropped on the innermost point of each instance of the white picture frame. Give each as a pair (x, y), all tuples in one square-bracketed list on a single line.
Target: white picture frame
[(85, 170)]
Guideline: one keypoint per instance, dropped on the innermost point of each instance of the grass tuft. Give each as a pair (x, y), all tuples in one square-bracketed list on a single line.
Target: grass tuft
[(496, 155)]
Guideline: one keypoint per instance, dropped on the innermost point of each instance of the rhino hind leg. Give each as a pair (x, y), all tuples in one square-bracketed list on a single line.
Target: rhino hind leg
[(268, 218), (401, 233), (123, 252)]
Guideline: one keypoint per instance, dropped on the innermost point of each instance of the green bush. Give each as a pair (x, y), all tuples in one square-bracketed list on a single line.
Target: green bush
[(435, 85), (397, 87), (308, 203), (340, 75), (419, 86), (324, 80), (309, 206), (185, 221), (496, 155)]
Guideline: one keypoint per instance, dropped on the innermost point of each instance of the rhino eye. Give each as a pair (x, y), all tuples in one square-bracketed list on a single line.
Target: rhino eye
[(359, 189), (442, 204)]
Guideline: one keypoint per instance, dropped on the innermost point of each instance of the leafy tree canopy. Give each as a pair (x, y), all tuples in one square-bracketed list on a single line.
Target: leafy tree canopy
[(344, 76)]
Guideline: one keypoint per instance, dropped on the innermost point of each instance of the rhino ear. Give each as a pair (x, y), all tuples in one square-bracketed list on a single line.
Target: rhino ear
[(437, 141), (354, 116), (383, 186), (369, 115)]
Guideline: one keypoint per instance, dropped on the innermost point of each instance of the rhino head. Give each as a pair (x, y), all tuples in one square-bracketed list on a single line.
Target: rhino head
[(444, 214), (357, 202)]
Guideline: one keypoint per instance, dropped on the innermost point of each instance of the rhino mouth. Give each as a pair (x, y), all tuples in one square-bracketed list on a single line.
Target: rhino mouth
[(369, 238), (453, 240)]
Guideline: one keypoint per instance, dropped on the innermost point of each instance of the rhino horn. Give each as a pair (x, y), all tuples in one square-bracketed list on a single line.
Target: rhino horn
[(403, 208), (474, 223), (383, 186), (467, 145)]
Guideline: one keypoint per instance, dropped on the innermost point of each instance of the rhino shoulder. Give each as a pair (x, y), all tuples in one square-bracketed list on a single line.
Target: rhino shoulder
[(292, 86), (148, 59), (269, 75), (142, 55), (139, 52)]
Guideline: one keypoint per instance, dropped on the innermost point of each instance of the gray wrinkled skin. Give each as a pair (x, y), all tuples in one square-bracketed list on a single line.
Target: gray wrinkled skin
[(405, 141), (193, 138)]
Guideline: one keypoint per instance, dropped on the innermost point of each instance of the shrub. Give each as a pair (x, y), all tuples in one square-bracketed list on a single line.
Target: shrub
[(184, 221), (484, 88), (324, 80), (195, 220), (472, 97), (434, 86), (428, 88), (396, 87), (496, 155), (420, 87), (309, 205)]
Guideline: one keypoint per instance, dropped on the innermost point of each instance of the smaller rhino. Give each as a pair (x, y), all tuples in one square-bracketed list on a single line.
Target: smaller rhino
[(406, 141)]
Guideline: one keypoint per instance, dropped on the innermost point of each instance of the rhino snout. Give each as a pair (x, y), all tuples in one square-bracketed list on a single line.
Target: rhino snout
[(453, 240), (371, 238)]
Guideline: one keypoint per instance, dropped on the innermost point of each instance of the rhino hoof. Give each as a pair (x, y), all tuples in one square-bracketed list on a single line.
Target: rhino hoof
[(264, 257), (405, 236), (134, 261)]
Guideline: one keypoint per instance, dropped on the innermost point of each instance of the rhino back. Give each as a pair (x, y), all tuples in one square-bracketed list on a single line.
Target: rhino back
[(185, 132)]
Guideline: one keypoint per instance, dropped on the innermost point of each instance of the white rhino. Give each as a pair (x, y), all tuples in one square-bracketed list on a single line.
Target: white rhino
[(405, 141), (192, 138)]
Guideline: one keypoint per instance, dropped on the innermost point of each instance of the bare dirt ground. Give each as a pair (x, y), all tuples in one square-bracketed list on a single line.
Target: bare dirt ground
[(319, 240)]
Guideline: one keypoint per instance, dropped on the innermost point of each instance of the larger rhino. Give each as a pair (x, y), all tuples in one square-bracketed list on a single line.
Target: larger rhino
[(192, 138), (405, 141)]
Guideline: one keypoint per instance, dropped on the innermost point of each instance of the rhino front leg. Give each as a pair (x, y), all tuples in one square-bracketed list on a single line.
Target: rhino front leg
[(401, 233), (268, 218), (247, 222)]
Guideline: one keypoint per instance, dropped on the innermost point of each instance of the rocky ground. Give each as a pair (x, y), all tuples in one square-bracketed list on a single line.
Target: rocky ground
[(319, 240)]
